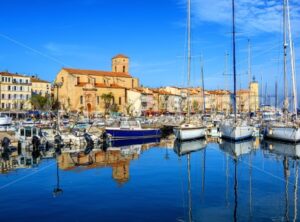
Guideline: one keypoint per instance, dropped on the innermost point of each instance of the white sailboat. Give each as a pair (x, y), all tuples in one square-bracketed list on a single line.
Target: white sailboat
[(286, 130), (189, 131), (234, 129)]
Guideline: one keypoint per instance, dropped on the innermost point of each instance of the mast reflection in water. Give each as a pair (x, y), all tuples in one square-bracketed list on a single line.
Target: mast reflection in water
[(183, 148)]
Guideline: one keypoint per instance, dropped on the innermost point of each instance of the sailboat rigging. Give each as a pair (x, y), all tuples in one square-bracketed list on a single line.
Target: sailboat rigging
[(189, 131), (235, 129)]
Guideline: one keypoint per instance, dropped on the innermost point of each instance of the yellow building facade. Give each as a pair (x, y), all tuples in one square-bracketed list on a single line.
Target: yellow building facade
[(254, 96), (82, 89), (15, 91), (40, 87)]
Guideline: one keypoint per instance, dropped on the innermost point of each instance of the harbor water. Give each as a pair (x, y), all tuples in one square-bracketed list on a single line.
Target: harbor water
[(160, 181)]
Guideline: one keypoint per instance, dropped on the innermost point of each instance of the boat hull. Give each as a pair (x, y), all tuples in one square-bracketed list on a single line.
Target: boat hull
[(125, 134), (189, 133), (236, 132), (5, 121), (289, 134)]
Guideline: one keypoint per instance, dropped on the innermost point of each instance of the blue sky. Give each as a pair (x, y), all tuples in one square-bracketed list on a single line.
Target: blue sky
[(41, 37)]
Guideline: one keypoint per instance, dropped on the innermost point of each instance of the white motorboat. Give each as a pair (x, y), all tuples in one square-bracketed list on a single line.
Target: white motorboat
[(5, 120), (6, 123), (25, 135)]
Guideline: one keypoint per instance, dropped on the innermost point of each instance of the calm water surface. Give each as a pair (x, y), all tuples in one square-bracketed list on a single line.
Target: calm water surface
[(193, 181)]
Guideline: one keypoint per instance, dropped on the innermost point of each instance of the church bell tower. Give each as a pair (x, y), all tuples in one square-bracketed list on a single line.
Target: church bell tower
[(120, 63)]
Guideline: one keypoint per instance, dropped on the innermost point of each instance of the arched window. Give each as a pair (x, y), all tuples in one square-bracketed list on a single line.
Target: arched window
[(124, 68), (115, 68), (81, 99)]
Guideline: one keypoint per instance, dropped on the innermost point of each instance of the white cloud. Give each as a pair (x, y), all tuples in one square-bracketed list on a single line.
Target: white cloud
[(252, 16)]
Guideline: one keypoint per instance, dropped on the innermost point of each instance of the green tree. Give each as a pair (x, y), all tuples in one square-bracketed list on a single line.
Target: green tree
[(195, 106), (128, 108), (40, 102), (114, 108)]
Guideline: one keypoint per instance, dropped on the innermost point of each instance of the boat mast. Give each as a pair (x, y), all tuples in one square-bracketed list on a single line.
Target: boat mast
[(276, 95), (203, 92), (234, 60), (188, 57), (292, 59), (249, 72), (286, 102), (225, 74)]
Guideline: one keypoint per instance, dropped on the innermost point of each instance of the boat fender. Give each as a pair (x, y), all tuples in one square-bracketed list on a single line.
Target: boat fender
[(57, 139), (270, 131), (36, 142)]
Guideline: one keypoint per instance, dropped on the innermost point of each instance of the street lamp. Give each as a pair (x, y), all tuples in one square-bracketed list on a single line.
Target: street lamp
[(57, 85)]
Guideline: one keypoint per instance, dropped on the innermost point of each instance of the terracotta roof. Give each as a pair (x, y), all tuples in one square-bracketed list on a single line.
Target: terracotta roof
[(218, 92), (120, 56), (241, 91), (163, 92), (38, 80), (102, 85), (11, 74), (96, 73)]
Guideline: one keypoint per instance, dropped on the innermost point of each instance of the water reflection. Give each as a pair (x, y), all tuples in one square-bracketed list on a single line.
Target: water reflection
[(290, 153), (186, 147), (236, 150), (238, 191), (117, 157), (57, 190), (282, 149)]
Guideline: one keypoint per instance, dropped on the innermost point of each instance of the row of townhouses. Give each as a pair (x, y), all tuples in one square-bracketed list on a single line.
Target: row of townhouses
[(88, 90), (96, 91), (16, 90)]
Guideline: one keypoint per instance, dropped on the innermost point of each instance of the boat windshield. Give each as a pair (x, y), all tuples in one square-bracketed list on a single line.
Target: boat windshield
[(129, 124), (3, 115)]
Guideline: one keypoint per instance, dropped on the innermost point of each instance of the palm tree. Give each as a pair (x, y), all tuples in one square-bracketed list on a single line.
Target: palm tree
[(108, 99)]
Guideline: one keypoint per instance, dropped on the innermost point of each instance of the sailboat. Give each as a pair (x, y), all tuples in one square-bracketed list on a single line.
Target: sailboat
[(189, 131), (286, 130), (235, 129)]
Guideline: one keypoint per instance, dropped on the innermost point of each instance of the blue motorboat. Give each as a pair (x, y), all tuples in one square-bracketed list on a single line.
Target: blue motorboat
[(131, 129)]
